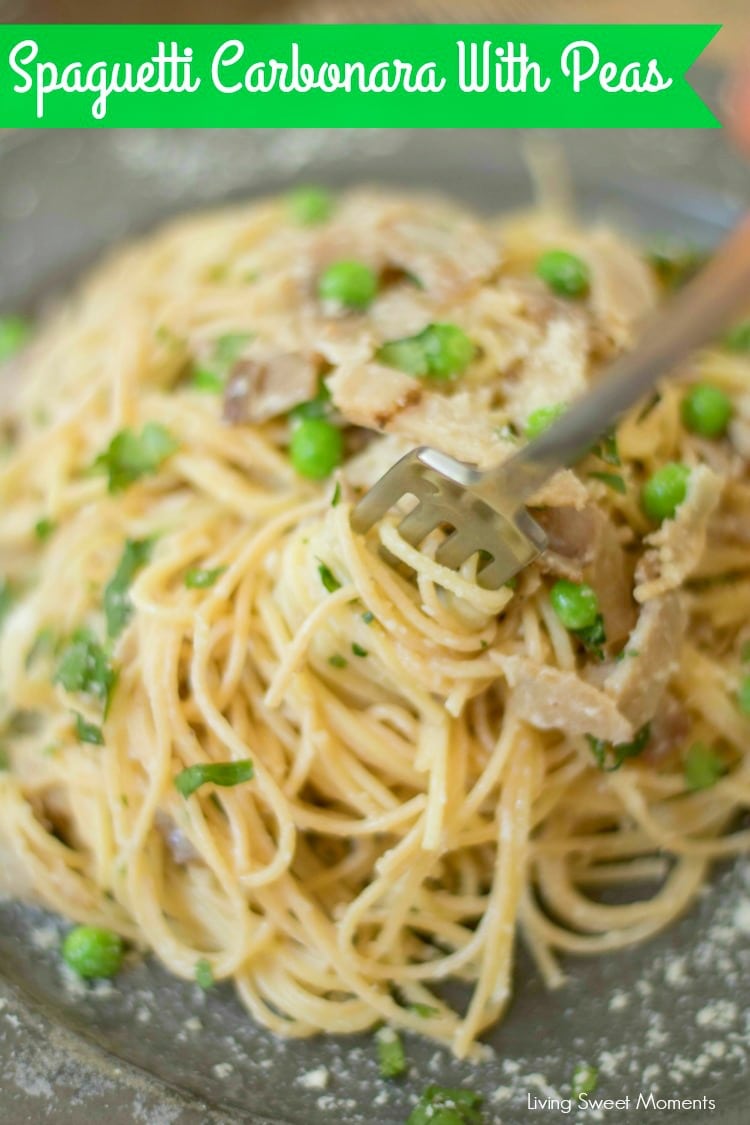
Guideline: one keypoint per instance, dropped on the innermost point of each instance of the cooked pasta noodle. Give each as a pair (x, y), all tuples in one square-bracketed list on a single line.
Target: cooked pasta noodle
[(431, 760)]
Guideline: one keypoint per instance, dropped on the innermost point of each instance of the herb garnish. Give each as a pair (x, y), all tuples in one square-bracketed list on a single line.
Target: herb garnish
[(199, 579), (130, 456), (612, 480), (368, 617), (337, 661), (204, 974), (336, 498), (442, 1106), (609, 757), (117, 606), (226, 774), (607, 450), (593, 637), (85, 668), (328, 578), (88, 732), (358, 650), (43, 529), (391, 1056), (584, 1080)]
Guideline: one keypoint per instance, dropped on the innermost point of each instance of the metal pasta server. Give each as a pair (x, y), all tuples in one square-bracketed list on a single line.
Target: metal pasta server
[(485, 510)]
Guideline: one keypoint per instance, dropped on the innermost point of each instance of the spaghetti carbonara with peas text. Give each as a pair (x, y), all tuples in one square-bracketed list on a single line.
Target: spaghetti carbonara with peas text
[(240, 737)]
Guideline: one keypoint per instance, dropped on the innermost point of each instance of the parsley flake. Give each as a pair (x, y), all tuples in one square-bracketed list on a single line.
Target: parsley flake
[(43, 529), (391, 1056), (612, 480), (88, 732), (85, 669), (199, 579), (328, 578), (130, 456), (442, 1106), (117, 605), (204, 974), (610, 757), (225, 774), (583, 1080)]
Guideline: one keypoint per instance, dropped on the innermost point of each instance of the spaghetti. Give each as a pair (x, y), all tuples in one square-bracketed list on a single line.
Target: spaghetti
[(436, 768)]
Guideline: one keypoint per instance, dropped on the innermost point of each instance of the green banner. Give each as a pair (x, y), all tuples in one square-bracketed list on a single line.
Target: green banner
[(426, 76)]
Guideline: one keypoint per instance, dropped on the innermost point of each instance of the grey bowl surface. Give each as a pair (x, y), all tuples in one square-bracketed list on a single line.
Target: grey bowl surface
[(669, 1018)]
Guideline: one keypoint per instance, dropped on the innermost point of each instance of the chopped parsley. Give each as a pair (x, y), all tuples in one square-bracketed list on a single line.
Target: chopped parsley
[(130, 455), (336, 498), (703, 766), (593, 637), (391, 1056), (117, 605), (583, 1080), (226, 774), (44, 528), (358, 650), (337, 661), (7, 597), (423, 1010), (440, 1105), (85, 669), (328, 578), (199, 579), (88, 732), (211, 377), (368, 617), (607, 450), (204, 974), (612, 480), (609, 756)]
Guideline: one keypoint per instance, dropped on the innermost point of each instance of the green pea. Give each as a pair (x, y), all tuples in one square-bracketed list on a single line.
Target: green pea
[(706, 410), (738, 340), (576, 604), (664, 492), (309, 205), (564, 273), (348, 283), (14, 332), (93, 952), (447, 349), (540, 420), (317, 448)]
